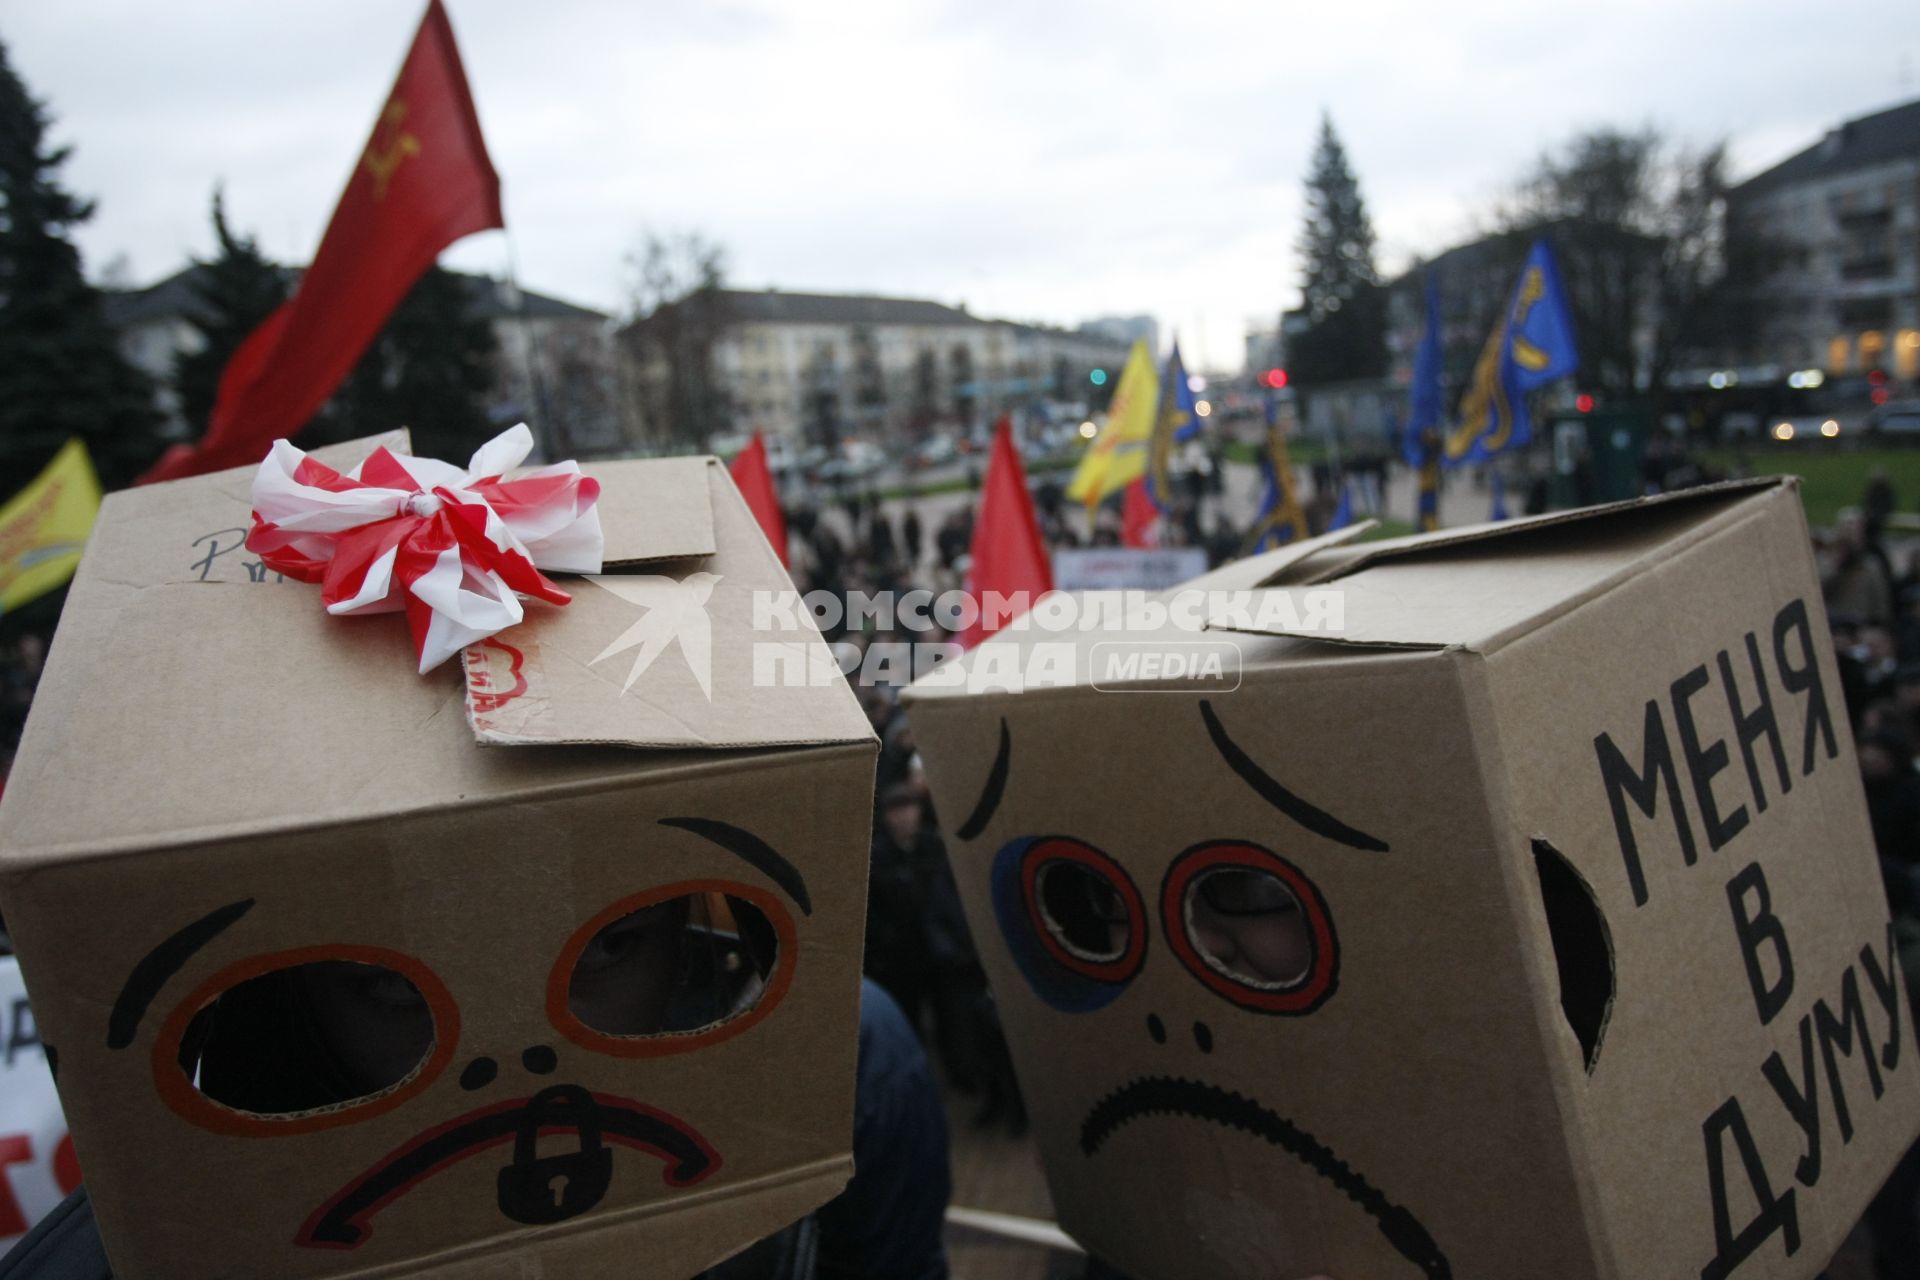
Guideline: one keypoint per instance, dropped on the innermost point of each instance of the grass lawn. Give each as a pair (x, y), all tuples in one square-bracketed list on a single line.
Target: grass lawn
[(1830, 478), (1301, 452), (1387, 529)]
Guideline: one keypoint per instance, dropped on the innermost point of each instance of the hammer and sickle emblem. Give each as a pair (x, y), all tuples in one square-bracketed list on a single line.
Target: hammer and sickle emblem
[(391, 144)]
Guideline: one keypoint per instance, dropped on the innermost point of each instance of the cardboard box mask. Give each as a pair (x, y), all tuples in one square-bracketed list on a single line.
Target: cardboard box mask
[(1528, 925), (222, 787)]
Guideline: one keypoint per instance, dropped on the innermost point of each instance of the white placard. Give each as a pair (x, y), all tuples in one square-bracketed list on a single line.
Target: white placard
[(1121, 568), (37, 1167)]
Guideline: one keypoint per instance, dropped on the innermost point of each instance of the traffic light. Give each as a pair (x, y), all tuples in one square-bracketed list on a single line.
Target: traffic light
[(1098, 377), (1275, 378), (1583, 402)]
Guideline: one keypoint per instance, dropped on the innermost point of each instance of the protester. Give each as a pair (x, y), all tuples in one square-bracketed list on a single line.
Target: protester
[(1853, 574)]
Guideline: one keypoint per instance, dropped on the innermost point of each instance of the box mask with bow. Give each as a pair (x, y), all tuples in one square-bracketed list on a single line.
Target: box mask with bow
[(547, 958)]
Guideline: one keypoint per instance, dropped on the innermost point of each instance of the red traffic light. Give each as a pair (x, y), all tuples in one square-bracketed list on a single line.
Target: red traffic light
[(1275, 378), (1583, 402), (1877, 378)]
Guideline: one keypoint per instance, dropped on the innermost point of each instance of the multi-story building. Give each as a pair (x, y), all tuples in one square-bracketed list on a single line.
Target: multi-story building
[(1835, 230), (830, 367), (555, 366)]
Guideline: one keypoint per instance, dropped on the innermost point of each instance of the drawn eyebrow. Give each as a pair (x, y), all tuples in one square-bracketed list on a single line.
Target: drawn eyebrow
[(1313, 818), (755, 851), (160, 964), (996, 787)]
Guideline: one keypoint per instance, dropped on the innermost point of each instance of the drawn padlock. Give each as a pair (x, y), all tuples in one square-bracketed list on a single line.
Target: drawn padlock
[(538, 1189)]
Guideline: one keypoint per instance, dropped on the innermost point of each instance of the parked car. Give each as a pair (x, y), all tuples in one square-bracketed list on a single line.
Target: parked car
[(936, 451), (1898, 418)]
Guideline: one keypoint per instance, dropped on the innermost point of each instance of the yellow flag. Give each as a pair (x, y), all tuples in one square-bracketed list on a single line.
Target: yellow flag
[(44, 527), (1118, 455)]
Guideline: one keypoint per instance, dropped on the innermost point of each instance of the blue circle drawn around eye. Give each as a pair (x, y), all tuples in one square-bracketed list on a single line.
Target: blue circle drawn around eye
[(1059, 987)]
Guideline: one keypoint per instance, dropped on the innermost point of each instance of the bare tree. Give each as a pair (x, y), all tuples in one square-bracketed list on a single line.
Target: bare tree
[(1638, 223), (677, 314)]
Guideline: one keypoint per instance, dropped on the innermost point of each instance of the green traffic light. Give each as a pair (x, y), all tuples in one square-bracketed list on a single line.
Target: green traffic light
[(1098, 377)]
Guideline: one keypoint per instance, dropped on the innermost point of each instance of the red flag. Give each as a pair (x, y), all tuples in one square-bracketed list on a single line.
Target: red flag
[(1137, 515), (1009, 555), (751, 473), (423, 182)]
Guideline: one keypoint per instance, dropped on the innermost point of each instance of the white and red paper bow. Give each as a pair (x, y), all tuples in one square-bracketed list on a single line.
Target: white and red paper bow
[(454, 548)]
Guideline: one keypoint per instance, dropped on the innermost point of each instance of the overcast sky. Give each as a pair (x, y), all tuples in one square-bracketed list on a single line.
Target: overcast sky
[(1035, 159)]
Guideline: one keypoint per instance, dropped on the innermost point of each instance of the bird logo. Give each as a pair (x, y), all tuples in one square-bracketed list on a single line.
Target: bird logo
[(676, 609)]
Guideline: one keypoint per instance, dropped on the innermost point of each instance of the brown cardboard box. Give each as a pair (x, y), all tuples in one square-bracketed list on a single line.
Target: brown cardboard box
[(1573, 959), (219, 780)]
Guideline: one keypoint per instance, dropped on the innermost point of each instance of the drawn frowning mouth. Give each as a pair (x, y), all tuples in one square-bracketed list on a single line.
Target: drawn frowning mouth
[(531, 1188), (1171, 1095)]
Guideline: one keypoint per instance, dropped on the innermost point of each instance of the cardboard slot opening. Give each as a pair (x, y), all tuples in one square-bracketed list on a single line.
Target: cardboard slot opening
[(1582, 948), (1247, 923), (674, 967), (314, 1035)]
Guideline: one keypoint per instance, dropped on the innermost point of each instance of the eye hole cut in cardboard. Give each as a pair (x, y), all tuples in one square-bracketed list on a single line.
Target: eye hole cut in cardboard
[(294, 1041), (673, 969), (1073, 919), (1251, 926)]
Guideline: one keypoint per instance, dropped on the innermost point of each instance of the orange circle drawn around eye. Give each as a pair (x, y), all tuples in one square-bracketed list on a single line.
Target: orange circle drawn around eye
[(1063, 849), (660, 1044), (1303, 996), (176, 1088)]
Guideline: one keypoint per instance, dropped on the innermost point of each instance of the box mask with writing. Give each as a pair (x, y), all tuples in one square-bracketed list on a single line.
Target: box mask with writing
[(1334, 964)]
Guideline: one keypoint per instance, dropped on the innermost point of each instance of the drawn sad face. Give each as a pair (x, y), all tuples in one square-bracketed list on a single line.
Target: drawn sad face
[(1254, 941), (306, 1044)]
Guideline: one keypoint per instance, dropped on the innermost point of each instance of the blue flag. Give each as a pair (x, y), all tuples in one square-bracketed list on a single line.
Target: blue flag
[(1425, 405), (1174, 422), (1530, 347), (1343, 511), (1280, 520)]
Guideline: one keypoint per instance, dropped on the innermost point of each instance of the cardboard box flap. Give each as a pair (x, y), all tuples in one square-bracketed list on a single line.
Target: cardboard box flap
[(277, 714), (714, 652), (1266, 568), (654, 509), (1327, 568), (1496, 581)]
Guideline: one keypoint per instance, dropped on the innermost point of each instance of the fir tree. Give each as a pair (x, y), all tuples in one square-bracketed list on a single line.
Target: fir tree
[(429, 370), (233, 293), (61, 372), (1344, 304)]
